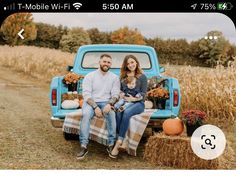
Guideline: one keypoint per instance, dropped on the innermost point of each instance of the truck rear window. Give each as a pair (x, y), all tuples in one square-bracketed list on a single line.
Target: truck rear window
[(91, 59)]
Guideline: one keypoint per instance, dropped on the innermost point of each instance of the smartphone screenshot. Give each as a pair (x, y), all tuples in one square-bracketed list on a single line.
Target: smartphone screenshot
[(117, 85)]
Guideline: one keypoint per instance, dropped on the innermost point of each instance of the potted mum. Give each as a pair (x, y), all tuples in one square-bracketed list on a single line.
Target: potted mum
[(193, 119), (71, 79), (158, 96)]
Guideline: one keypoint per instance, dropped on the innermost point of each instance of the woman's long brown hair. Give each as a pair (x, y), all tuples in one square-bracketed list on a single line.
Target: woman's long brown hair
[(124, 69)]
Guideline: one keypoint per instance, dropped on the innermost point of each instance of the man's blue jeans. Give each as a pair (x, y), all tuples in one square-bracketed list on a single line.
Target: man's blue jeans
[(88, 114), (123, 118)]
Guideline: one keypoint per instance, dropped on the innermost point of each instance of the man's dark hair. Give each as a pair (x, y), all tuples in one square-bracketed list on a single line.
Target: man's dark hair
[(105, 55)]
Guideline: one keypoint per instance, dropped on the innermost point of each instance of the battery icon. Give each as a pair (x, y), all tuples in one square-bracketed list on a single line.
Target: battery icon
[(224, 6)]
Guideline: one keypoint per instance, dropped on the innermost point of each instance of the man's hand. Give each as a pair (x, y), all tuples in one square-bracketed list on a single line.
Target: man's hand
[(98, 112), (107, 109)]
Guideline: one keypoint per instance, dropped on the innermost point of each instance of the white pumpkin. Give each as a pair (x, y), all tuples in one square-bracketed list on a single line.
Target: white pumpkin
[(148, 104), (70, 104)]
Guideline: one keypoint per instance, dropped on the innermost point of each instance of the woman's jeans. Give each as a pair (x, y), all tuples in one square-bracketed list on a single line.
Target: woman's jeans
[(88, 114), (123, 103), (123, 118)]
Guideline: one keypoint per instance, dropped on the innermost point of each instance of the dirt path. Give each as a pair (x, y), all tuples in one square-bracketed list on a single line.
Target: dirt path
[(28, 141)]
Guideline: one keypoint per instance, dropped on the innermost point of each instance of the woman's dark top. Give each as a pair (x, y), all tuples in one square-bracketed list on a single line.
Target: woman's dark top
[(141, 86), (132, 92)]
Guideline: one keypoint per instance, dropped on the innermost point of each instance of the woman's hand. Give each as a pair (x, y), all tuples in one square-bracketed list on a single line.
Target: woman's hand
[(130, 98)]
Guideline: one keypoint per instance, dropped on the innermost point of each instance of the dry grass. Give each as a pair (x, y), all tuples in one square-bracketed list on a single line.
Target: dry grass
[(41, 63), (210, 90)]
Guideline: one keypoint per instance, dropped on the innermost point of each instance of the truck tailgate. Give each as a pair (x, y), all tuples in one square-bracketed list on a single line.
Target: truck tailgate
[(162, 114), (61, 113)]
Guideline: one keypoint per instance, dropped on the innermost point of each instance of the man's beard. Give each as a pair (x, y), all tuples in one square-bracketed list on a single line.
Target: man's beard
[(104, 69)]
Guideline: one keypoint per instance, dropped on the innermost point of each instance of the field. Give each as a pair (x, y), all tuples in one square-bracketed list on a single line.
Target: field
[(208, 89)]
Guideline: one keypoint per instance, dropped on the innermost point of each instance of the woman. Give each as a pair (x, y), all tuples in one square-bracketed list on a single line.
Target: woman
[(130, 67)]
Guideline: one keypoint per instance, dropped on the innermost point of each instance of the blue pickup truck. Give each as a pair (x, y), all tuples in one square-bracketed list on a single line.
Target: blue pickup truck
[(86, 60)]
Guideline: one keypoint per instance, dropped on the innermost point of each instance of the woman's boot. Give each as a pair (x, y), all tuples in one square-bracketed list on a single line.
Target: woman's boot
[(115, 150), (124, 146)]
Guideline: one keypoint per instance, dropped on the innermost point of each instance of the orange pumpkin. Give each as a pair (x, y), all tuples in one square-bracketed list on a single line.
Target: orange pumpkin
[(81, 103), (173, 126)]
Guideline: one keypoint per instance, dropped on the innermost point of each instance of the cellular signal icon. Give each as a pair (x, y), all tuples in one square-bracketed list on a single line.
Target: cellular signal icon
[(10, 7), (77, 5)]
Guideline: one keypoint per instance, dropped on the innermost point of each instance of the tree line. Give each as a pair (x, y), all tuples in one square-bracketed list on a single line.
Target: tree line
[(174, 51)]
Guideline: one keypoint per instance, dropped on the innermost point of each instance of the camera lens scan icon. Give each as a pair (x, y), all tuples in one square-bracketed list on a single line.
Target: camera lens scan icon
[(208, 142)]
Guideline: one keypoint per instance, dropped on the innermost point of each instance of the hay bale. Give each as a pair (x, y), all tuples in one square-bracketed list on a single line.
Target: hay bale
[(176, 152)]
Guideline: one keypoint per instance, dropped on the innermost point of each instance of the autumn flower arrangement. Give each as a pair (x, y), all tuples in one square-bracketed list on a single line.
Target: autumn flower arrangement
[(71, 78), (158, 93), (193, 117), (158, 97)]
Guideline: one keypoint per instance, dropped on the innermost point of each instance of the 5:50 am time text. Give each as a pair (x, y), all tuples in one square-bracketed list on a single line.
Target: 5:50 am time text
[(116, 6)]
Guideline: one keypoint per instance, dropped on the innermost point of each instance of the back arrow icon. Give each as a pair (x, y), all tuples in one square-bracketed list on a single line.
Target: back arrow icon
[(20, 33)]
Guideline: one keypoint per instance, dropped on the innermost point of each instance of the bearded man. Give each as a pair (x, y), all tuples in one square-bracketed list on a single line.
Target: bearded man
[(101, 90)]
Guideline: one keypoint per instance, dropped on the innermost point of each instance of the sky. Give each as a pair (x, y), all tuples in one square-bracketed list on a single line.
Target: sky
[(190, 26)]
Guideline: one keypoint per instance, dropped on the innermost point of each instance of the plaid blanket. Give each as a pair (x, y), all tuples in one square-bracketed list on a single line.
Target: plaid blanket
[(98, 131)]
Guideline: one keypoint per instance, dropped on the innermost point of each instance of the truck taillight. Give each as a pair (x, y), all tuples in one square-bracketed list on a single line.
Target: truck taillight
[(54, 97), (176, 98)]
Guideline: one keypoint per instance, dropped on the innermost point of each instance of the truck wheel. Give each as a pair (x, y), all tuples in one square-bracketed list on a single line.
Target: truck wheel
[(68, 136)]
